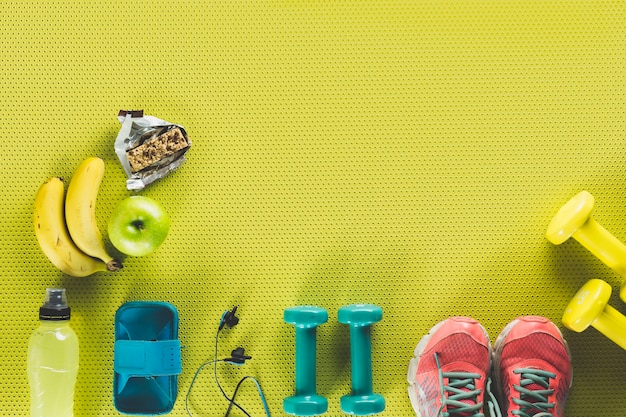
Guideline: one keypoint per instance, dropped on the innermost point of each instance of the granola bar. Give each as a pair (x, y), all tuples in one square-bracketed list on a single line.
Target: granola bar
[(156, 149)]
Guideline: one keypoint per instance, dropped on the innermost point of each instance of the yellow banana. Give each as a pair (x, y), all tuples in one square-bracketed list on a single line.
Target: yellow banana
[(53, 236), (80, 211)]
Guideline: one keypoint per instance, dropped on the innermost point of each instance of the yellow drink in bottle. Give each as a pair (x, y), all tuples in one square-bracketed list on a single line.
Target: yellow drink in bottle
[(53, 359)]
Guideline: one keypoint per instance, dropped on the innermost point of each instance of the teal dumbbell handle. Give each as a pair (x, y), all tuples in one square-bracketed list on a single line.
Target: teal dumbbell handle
[(305, 360), (361, 359)]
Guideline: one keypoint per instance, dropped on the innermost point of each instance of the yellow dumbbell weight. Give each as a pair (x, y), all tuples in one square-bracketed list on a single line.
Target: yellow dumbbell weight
[(574, 220), (589, 307)]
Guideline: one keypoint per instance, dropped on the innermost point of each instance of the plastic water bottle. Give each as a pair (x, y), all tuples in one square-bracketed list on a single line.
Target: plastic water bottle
[(53, 359)]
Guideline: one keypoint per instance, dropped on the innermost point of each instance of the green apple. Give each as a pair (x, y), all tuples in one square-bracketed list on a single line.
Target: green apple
[(138, 226)]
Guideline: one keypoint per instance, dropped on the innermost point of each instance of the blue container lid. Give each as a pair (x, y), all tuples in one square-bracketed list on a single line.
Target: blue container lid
[(147, 358)]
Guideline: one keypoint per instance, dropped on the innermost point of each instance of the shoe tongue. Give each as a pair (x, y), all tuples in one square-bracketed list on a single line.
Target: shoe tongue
[(453, 411), (532, 386), (470, 402)]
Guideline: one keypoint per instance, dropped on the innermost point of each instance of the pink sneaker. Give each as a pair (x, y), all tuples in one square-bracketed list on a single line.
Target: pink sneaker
[(532, 368), (449, 373)]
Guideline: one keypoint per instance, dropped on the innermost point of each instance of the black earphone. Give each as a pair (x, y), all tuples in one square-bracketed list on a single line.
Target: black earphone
[(237, 357), (230, 320)]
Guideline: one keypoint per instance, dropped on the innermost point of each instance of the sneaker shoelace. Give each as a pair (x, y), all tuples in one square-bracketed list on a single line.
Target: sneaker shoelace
[(460, 395), (534, 389)]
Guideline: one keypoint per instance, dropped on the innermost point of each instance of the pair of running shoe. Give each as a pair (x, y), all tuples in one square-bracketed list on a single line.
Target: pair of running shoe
[(453, 367)]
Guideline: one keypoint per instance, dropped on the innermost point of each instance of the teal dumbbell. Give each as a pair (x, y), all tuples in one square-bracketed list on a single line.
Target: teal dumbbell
[(362, 400), (305, 402)]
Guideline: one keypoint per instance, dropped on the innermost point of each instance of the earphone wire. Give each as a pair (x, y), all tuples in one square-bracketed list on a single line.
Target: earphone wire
[(193, 381), (259, 389), (231, 401)]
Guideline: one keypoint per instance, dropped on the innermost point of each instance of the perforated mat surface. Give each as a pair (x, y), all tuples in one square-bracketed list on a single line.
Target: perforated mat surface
[(406, 154)]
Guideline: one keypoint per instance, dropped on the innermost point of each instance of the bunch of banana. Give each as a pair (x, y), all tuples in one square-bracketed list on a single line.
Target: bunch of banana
[(66, 229)]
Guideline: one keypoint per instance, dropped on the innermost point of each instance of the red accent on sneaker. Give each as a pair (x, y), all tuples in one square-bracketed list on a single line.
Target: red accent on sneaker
[(532, 342), (460, 344)]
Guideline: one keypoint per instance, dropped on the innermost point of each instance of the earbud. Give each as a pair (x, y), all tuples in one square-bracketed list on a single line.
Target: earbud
[(238, 357), (229, 319)]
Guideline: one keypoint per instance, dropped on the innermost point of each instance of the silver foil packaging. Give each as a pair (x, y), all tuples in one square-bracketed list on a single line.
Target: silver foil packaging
[(149, 148)]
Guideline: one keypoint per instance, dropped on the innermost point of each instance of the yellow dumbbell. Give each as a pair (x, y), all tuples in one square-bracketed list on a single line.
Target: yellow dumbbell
[(589, 307), (574, 220)]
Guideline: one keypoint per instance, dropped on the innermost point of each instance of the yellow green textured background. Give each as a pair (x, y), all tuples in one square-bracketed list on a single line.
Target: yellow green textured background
[(408, 154)]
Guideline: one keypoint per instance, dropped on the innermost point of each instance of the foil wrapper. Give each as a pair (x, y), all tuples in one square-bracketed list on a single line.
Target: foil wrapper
[(149, 148)]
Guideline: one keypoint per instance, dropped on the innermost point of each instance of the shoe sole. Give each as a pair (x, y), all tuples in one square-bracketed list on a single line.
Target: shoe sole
[(497, 353), (419, 351)]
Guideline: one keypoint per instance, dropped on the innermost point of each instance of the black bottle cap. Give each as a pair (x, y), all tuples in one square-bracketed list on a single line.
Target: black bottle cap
[(55, 306)]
